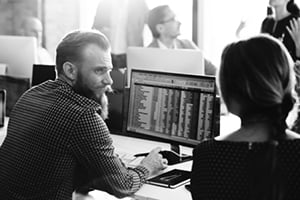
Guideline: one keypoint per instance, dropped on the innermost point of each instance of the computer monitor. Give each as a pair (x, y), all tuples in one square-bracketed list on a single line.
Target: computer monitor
[(41, 73), (19, 53), (177, 108), (186, 61)]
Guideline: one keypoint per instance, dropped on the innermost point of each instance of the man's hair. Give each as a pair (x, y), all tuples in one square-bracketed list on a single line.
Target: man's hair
[(156, 16), (71, 46)]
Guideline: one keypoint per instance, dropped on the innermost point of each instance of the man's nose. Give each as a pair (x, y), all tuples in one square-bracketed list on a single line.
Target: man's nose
[(108, 80)]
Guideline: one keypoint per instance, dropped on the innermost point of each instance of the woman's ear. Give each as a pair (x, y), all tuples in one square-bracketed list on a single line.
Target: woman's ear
[(70, 70)]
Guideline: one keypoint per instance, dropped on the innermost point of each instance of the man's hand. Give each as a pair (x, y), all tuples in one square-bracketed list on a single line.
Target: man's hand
[(154, 162)]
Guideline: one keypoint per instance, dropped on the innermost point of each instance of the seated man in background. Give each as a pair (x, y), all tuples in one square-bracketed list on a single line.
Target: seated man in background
[(57, 141), (261, 159), (32, 26), (165, 29)]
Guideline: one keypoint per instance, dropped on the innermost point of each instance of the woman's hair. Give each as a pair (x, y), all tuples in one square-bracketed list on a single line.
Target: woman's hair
[(71, 47), (156, 16), (257, 73), (293, 8)]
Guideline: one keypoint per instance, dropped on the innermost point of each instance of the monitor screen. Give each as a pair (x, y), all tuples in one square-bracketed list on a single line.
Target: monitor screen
[(41, 73), (19, 53), (175, 107), (186, 61)]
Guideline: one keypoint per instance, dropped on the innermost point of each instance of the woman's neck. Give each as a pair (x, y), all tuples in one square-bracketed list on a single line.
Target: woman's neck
[(281, 12), (250, 131), (255, 131)]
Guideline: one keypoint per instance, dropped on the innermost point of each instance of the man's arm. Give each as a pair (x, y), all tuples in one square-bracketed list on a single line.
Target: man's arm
[(92, 146)]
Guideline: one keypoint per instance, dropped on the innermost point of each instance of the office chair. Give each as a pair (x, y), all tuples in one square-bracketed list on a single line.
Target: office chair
[(41, 73), (14, 87)]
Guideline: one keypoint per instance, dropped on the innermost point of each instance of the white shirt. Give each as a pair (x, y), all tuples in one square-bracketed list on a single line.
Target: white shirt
[(163, 46)]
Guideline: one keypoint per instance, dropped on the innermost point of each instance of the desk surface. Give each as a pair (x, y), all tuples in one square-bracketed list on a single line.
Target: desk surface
[(125, 148)]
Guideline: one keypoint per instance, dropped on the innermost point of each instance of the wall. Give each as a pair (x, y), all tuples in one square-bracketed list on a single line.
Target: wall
[(61, 17), (58, 16), (220, 20), (12, 12)]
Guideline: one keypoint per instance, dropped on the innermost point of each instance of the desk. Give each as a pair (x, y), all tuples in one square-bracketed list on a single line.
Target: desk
[(123, 144)]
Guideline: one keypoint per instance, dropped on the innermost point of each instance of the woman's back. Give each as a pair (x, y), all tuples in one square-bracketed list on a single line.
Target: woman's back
[(232, 170)]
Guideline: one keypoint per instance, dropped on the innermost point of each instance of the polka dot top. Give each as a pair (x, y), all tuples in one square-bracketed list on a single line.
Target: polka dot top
[(242, 170)]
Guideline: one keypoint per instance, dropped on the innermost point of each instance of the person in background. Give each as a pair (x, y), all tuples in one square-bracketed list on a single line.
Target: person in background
[(165, 29), (122, 21), (261, 159), (57, 141), (32, 26), (283, 24)]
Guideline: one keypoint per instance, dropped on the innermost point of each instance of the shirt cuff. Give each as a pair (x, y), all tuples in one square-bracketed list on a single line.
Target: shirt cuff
[(143, 172)]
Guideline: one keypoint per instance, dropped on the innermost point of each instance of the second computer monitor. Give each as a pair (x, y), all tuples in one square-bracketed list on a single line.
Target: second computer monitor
[(185, 61), (19, 53)]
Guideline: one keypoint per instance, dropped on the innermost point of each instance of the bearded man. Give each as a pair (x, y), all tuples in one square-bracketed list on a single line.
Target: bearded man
[(57, 141)]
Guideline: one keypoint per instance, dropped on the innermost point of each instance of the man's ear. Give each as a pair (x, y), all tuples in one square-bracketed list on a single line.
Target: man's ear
[(159, 28), (70, 70)]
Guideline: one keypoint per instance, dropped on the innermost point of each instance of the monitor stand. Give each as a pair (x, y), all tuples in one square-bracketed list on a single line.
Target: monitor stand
[(177, 159)]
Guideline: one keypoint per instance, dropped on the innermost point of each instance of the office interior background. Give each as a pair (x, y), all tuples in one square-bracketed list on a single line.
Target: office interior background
[(211, 24)]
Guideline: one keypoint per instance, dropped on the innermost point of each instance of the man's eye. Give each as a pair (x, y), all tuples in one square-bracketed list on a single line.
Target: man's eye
[(100, 70)]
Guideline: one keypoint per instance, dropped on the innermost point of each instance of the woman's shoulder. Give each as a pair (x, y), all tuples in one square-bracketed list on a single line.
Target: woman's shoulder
[(287, 19), (219, 145), (234, 140)]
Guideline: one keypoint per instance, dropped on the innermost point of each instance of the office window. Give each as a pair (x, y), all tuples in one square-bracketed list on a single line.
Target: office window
[(221, 19), (183, 10), (87, 13), (217, 20)]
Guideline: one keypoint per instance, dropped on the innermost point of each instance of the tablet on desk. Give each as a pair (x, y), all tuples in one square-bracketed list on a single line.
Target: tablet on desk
[(171, 179)]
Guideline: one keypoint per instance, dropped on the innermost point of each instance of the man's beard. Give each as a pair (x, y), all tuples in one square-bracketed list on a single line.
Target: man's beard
[(80, 88)]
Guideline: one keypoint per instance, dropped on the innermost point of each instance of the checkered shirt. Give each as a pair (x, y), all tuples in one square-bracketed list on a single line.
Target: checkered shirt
[(56, 143)]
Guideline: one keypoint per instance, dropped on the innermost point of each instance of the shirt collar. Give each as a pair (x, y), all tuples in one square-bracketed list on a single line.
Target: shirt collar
[(77, 97), (163, 46)]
